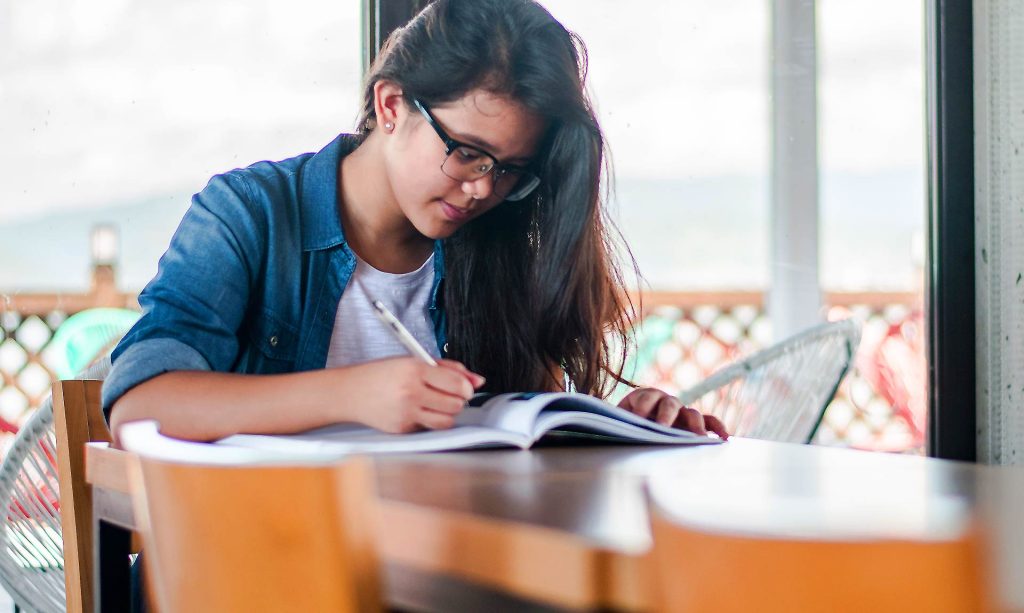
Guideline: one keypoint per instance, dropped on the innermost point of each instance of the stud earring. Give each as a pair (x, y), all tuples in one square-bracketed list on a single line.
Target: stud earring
[(389, 126)]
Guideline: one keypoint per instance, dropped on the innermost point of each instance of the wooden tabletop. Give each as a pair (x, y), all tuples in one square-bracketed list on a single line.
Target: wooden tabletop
[(567, 527)]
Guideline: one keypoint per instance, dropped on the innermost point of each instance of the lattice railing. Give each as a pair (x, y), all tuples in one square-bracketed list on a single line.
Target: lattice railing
[(27, 325), (25, 369), (881, 405)]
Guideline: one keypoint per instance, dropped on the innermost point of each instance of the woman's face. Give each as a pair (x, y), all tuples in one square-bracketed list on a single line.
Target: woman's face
[(435, 203)]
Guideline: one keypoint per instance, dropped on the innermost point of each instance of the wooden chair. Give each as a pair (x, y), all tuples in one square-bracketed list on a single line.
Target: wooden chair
[(46, 548), (78, 419), (251, 536), (701, 569)]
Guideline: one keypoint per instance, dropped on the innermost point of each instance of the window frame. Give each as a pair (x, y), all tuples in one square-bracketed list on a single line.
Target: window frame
[(950, 282), (380, 18)]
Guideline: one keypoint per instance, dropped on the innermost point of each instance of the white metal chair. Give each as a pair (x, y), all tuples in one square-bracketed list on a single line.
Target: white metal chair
[(780, 393)]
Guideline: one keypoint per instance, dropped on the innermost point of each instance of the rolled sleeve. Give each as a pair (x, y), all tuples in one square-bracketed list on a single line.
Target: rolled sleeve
[(193, 309), (144, 360)]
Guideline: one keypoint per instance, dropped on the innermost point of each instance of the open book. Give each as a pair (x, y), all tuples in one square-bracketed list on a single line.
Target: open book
[(504, 420)]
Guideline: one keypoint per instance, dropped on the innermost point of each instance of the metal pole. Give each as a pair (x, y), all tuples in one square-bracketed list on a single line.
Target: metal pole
[(794, 298)]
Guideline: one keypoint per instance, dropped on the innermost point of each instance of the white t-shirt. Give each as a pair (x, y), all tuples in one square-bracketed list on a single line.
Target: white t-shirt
[(358, 335)]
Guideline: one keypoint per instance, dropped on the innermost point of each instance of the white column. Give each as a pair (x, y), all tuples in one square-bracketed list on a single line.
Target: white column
[(794, 298), (999, 230)]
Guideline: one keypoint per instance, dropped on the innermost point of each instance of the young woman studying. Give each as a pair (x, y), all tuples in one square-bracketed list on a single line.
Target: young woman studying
[(469, 202)]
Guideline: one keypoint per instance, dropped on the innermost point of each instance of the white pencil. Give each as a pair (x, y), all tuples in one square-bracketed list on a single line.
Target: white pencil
[(401, 333)]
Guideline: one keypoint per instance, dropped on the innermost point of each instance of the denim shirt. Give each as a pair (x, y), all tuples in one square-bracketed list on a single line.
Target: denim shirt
[(252, 278)]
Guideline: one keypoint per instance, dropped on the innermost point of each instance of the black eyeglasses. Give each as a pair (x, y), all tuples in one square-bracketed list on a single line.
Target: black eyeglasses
[(464, 162)]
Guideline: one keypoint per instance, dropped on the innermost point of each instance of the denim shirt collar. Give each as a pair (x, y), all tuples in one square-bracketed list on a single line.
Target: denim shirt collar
[(318, 195), (318, 202)]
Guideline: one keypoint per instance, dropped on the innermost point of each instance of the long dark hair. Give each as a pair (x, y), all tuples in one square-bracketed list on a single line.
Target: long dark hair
[(531, 285)]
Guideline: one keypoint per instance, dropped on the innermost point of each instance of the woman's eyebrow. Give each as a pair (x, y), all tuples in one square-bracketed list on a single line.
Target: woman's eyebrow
[(476, 141)]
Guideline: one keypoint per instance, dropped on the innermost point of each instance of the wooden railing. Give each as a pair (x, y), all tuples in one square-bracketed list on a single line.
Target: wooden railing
[(103, 292), (27, 324), (880, 405)]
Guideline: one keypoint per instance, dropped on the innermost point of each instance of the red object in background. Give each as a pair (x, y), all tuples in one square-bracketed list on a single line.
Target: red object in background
[(46, 498), (891, 358), (6, 426)]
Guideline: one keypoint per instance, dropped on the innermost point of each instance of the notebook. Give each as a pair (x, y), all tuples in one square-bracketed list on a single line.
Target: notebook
[(503, 420)]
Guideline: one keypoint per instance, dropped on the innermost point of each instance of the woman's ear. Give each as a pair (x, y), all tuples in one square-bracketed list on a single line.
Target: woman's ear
[(388, 104)]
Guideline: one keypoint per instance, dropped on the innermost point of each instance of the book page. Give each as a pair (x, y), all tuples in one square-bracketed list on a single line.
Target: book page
[(590, 404), (513, 412), (562, 422), (534, 414), (344, 439)]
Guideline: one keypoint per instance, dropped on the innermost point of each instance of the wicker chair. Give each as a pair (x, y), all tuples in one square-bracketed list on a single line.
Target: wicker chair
[(780, 393), (31, 541)]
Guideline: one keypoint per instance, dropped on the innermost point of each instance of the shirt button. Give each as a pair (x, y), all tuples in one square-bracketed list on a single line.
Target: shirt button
[(273, 341)]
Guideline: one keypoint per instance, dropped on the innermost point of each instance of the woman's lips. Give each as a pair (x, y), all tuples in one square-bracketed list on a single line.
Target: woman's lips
[(454, 213)]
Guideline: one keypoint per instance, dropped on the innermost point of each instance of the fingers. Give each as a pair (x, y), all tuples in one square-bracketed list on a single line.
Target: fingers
[(715, 425), (437, 410), (692, 420), (433, 400), (474, 378), (667, 410), (448, 380), (434, 420), (642, 402)]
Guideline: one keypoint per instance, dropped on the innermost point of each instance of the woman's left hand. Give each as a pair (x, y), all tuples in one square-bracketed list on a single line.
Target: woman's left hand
[(663, 408)]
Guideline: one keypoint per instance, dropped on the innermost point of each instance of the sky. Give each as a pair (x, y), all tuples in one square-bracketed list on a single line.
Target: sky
[(106, 104)]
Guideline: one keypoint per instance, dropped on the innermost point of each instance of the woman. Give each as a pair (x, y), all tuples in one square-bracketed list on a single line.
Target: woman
[(469, 201)]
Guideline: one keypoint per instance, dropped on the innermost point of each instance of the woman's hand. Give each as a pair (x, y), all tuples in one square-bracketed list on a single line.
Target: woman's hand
[(663, 408), (400, 395)]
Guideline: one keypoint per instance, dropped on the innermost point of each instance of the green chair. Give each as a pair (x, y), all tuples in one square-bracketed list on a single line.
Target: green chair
[(86, 336)]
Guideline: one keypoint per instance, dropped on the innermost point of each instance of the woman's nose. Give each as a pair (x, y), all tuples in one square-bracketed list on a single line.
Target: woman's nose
[(479, 189)]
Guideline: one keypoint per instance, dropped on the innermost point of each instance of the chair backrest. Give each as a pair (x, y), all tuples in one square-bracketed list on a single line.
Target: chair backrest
[(251, 537), (780, 393), (78, 419), (700, 569)]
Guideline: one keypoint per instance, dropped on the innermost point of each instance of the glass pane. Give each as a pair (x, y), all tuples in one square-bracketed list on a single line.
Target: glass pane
[(113, 113), (871, 93), (685, 113), (686, 103)]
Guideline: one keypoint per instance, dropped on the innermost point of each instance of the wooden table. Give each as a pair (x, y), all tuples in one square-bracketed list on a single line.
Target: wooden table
[(566, 528)]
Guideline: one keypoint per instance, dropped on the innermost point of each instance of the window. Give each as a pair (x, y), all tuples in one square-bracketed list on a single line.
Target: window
[(684, 95), (113, 113)]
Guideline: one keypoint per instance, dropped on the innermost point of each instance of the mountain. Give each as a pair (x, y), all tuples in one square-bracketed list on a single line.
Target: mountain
[(686, 234)]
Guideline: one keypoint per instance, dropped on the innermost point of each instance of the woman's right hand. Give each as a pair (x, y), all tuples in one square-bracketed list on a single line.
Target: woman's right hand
[(400, 395)]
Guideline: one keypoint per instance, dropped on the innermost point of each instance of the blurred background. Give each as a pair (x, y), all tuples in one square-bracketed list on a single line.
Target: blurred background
[(114, 112)]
